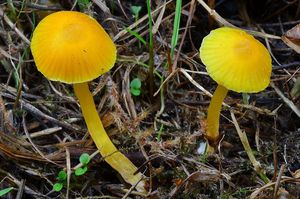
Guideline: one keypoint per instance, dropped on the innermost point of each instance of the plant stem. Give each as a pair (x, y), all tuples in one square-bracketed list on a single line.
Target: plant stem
[(213, 115), (151, 53), (105, 146), (176, 25)]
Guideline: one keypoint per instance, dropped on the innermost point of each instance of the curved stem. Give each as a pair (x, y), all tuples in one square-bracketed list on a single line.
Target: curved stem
[(105, 146), (213, 115)]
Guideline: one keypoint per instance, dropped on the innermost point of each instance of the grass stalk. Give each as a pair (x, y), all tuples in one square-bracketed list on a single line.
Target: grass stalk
[(176, 24), (151, 53)]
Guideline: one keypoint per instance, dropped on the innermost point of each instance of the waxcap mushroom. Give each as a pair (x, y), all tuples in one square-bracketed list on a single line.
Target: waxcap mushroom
[(72, 47), (236, 60)]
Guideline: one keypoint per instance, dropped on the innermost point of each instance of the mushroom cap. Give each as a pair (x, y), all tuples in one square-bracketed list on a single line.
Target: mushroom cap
[(236, 60), (72, 47)]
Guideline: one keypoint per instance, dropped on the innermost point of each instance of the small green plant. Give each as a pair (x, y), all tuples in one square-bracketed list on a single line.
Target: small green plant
[(136, 11), (83, 4), (5, 191), (58, 186), (61, 177), (135, 87), (84, 160)]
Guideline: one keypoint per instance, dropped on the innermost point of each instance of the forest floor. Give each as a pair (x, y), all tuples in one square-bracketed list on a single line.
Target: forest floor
[(160, 124)]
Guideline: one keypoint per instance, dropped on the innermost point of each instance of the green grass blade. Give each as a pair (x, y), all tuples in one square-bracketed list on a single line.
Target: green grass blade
[(5, 191), (150, 24), (176, 26), (139, 37), (151, 52)]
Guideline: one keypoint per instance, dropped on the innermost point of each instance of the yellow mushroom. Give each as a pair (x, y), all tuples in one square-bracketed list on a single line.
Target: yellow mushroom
[(73, 48), (236, 61)]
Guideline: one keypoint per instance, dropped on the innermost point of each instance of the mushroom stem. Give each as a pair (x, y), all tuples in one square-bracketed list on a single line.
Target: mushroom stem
[(213, 116), (108, 151)]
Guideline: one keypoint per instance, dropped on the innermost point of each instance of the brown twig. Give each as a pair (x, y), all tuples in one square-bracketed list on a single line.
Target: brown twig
[(13, 27), (277, 184)]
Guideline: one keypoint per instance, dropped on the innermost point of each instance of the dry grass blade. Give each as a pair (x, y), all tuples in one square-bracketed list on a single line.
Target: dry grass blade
[(12, 26), (286, 100), (204, 176), (198, 85), (44, 132), (69, 171), (154, 12), (276, 188), (28, 190), (30, 140), (255, 194), (129, 103), (21, 189), (244, 140)]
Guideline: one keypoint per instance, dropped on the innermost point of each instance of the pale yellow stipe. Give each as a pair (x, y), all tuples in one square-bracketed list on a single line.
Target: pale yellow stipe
[(213, 116), (105, 146)]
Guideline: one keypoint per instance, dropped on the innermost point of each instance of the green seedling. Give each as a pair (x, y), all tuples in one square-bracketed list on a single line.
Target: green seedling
[(84, 160), (5, 191), (61, 177), (135, 87), (135, 10), (58, 186)]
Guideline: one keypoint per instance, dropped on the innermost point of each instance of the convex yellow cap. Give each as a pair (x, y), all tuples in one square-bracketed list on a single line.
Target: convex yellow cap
[(236, 60), (72, 47)]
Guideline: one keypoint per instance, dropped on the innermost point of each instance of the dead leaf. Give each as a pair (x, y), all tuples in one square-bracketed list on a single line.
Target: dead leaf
[(292, 38)]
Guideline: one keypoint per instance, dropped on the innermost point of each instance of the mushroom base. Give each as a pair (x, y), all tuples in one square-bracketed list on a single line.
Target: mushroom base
[(213, 117), (108, 151)]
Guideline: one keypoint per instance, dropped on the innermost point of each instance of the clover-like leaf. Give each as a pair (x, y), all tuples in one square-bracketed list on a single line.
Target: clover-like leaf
[(80, 171), (84, 158), (58, 187), (62, 175)]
